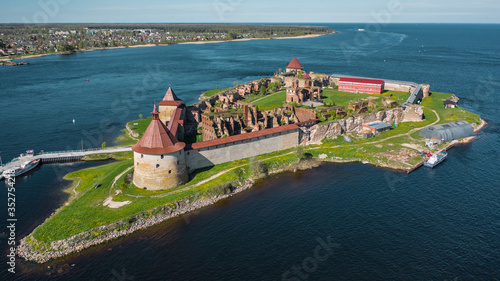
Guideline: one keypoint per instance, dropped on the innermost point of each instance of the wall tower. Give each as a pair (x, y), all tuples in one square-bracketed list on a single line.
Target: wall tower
[(159, 160)]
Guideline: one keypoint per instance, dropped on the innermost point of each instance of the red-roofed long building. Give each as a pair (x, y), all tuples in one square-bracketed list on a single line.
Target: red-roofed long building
[(361, 85), (159, 161)]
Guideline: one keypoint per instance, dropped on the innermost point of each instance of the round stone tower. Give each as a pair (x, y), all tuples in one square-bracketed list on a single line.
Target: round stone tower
[(159, 160)]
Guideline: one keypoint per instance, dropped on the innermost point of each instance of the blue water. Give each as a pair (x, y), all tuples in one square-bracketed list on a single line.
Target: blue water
[(440, 224)]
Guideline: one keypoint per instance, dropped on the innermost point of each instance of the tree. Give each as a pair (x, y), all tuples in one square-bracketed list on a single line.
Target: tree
[(262, 90), (274, 86), (104, 145), (235, 83), (300, 74), (300, 153), (233, 35), (140, 116)]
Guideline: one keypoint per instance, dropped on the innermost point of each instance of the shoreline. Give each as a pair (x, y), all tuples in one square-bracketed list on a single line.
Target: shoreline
[(80, 241), (154, 45)]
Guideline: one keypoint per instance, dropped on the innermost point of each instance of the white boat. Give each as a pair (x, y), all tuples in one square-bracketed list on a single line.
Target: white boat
[(24, 168), (10, 172), (362, 30), (436, 159)]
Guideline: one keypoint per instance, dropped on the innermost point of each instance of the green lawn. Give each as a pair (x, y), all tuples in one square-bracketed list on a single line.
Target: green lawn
[(272, 101), (213, 92), (86, 212), (140, 128), (435, 101), (341, 98), (142, 125)]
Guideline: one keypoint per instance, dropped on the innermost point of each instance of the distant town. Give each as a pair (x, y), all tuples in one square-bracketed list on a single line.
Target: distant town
[(17, 40)]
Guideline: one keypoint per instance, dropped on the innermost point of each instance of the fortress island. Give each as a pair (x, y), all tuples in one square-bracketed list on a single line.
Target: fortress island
[(185, 157)]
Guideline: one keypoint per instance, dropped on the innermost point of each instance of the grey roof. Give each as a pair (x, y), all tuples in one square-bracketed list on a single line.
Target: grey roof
[(378, 125), (448, 131)]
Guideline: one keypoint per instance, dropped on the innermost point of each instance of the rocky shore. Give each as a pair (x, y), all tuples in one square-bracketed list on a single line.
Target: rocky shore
[(13, 63), (29, 247)]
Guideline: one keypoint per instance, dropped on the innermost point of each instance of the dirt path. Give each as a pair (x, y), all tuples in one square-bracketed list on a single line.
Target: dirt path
[(78, 184), (117, 177)]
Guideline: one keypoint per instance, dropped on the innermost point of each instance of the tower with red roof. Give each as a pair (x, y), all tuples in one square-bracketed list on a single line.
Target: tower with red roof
[(159, 160), (168, 105), (294, 65)]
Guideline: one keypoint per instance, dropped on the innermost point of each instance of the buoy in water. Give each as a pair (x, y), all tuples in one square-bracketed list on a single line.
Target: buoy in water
[(73, 121), (88, 79)]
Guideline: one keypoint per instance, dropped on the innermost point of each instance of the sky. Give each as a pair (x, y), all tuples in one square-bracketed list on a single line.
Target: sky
[(250, 11)]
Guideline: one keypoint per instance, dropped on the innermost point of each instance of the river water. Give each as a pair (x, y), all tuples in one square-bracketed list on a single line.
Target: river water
[(335, 222)]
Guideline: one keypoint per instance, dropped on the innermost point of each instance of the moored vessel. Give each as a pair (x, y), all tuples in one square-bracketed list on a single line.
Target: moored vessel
[(24, 168), (435, 159)]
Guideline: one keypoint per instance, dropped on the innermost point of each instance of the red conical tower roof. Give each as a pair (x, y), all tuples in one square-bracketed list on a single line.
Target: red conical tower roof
[(295, 64), (170, 98), (157, 139)]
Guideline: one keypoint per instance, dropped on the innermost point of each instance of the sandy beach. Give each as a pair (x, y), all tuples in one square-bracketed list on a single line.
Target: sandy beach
[(153, 45)]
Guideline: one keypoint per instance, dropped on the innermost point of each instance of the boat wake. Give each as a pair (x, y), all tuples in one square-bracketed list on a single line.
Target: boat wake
[(366, 42)]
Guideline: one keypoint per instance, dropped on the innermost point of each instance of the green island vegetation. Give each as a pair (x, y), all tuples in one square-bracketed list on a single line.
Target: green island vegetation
[(212, 93), (84, 211), (270, 102), (19, 40)]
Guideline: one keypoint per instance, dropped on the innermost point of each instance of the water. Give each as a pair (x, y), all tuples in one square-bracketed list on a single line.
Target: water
[(440, 224)]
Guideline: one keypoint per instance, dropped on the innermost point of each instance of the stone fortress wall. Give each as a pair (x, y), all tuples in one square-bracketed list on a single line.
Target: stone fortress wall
[(237, 148)]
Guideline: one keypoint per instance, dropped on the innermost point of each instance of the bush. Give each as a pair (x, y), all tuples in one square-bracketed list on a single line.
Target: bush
[(104, 145), (258, 168), (300, 153), (220, 189)]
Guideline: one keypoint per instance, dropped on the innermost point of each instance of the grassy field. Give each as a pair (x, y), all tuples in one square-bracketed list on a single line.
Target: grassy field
[(329, 96), (142, 125), (435, 101), (106, 156), (213, 92), (125, 139), (345, 98), (86, 212), (396, 148), (271, 101)]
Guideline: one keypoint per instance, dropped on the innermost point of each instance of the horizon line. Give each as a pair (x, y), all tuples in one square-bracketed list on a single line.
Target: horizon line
[(228, 23)]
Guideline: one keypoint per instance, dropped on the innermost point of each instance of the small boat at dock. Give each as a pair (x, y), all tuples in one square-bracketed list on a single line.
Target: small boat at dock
[(435, 159), (24, 168)]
